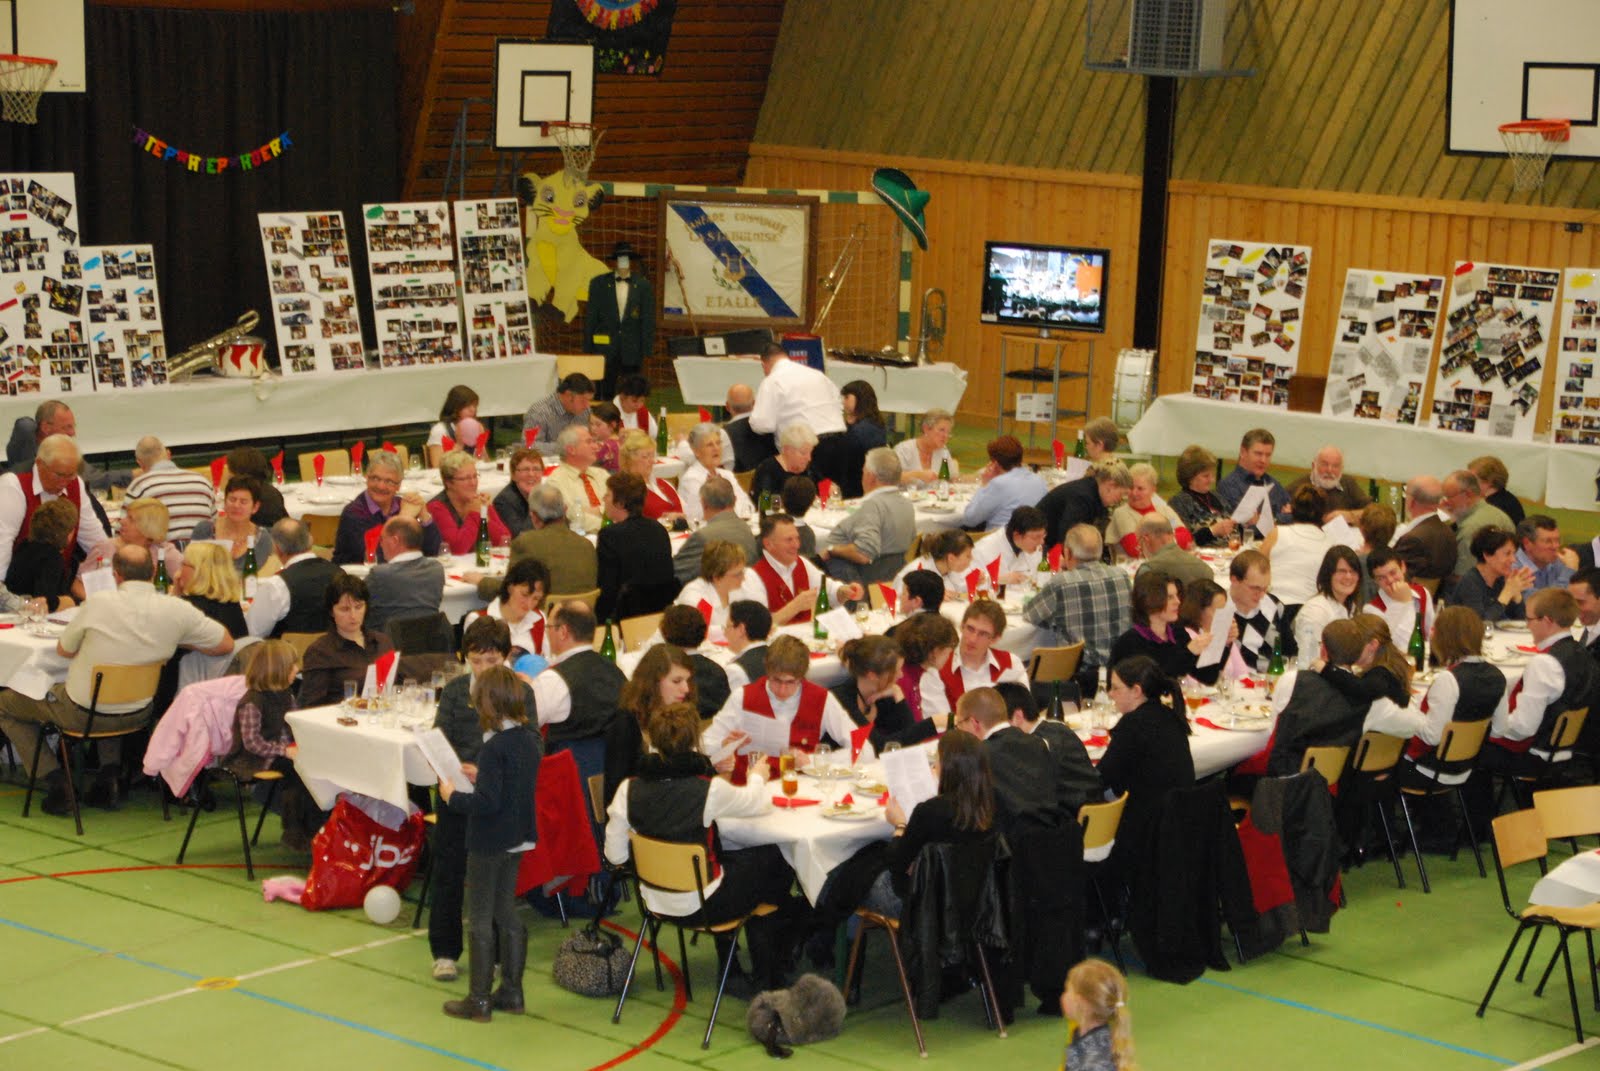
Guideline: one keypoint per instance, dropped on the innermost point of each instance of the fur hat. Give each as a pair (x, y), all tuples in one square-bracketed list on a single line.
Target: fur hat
[(811, 1010)]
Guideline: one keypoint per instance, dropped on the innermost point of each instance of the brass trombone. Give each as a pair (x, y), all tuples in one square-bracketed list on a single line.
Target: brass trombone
[(834, 280)]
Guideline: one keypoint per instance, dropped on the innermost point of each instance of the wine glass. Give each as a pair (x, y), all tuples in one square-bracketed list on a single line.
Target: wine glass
[(349, 693), (822, 758)]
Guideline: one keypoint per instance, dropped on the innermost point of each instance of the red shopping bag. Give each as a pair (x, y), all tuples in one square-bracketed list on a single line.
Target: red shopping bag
[(352, 853)]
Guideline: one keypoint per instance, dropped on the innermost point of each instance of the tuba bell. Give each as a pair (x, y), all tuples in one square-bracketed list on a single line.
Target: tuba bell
[(231, 352)]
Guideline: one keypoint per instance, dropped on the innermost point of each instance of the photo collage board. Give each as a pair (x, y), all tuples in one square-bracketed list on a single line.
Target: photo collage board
[(122, 317), (494, 283), (313, 292), (1248, 342), (1577, 410), (411, 258), (42, 347), (1494, 343), (1383, 346)]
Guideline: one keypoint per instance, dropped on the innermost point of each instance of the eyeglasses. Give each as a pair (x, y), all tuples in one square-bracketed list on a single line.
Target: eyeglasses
[(463, 477), (384, 481)]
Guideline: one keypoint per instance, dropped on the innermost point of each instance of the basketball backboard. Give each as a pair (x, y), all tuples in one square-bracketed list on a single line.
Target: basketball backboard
[(537, 82), (1535, 59), (51, 29)]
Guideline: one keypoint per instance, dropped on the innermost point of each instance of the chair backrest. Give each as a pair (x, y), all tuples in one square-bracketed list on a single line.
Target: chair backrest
[(300, 641), (422, 634), (403, 452), (681, 424), (1519, 837), (431, 453), (1461, 742), (1568, 812), (596, 784), (636, 630), (334, 463), (588, 598), (592, 365), (1049, 664), (914, 548), (324, 528), (1100, 822), (114, 684), (1568, 726), (968, 869), (1430, 584), (668, 866), (1377, 753), (745, 479), (875, 597), (1327, 761)]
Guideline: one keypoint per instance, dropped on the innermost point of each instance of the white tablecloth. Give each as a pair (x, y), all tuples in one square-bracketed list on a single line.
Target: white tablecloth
[(705, 381), (811, 844), (363, 758), (217, 410), (1570, 481), (29, 664)]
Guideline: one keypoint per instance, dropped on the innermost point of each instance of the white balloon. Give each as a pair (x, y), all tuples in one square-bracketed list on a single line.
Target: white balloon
[(382, 904)]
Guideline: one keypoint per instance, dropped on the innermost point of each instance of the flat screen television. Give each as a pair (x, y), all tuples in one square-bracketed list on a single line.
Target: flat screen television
[(1045, 286)]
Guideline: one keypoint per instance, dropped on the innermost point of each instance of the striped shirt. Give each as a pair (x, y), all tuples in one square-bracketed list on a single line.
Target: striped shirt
[(188, 496)]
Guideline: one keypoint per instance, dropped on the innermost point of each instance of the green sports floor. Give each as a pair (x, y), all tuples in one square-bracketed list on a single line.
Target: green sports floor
[(112, 958)]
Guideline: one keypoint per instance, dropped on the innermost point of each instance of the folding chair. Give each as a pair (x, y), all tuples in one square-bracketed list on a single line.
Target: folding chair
[(1569, 813), (636, 630), (1458, 749), (1100, 822), (1563, 738)]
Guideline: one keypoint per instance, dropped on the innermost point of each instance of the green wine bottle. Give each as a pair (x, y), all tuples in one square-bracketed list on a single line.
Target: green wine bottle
[(1417, 649), (661, 433), (608, 646), (1372, 489), (944, 479), (1275, 665), (249, 571), (480, 546), (818, 629), (1081, 450), (163, 583)]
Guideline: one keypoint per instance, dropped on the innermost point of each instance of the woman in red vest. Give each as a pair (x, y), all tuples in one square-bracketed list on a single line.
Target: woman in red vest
[(928, 641)]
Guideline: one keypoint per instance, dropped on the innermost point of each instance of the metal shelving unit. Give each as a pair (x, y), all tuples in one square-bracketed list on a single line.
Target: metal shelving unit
[(1038, 359)]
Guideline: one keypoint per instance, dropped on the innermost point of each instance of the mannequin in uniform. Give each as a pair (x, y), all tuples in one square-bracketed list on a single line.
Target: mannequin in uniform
[(620, 318)]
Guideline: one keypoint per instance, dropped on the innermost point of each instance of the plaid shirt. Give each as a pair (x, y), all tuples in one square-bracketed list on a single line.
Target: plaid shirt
[(1091, 603)]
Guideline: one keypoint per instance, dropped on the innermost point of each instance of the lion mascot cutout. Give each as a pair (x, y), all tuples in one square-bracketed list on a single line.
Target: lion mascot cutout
[(559, 268)]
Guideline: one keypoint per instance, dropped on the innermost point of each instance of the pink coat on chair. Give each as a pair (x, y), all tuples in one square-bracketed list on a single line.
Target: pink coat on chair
[(196, 728)]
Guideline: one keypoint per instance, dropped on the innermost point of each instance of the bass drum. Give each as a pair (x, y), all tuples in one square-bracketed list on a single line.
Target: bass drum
[(1133, 386)]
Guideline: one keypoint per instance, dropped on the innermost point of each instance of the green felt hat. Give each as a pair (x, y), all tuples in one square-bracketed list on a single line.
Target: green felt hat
[(902, 195)]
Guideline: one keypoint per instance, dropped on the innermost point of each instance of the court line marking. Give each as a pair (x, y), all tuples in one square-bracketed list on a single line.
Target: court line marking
[(674, 1015), (1558, 1054)]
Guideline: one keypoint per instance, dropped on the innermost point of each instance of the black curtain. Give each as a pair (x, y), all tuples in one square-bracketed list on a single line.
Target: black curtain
[(219, 84)]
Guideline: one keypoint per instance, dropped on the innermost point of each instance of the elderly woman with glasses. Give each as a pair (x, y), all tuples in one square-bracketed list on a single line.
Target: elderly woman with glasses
[(458, 510)]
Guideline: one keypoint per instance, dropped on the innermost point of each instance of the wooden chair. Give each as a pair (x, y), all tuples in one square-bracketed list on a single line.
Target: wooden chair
[(875, 597), (1100, 822), (745, 479), (668, 867), (1563, 737), (1569, 813), (1327, 761), (241, 788), (679, 425), (914, 548), (1457, 751), (1377, 756), (113, 685), (334, 463), (636, 630), (300, 641), (431, 453), (1520, 838), (324, 528), (403, 452), (592, 365), (1053, 666)]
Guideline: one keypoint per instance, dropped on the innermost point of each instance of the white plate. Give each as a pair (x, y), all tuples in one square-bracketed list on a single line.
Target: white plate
[(937, 509), (344, 481), (1512, 626), (856, 813)]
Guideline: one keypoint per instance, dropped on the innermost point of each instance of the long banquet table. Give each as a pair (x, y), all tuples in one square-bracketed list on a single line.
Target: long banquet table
[(914, 390)]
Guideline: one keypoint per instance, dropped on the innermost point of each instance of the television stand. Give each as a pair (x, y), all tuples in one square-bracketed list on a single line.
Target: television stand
[(1038, 358)]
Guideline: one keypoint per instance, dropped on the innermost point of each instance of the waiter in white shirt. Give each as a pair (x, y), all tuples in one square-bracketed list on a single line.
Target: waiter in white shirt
[(796, 393)]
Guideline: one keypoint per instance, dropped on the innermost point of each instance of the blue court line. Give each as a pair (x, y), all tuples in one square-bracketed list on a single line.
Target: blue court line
[(125, 957), (1408, 1035)]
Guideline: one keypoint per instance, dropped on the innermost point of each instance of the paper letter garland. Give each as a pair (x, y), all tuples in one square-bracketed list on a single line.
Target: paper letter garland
[(494, 285), (127, 345), (411, 255), (211, 165), (313, 292), (1249, 336), (1495, 337), (1383, 346), (1577, 414)]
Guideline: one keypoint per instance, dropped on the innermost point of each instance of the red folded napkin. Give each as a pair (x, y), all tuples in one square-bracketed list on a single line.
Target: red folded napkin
[(796, 801), (217, 465), (318, 464), (858, 740), (890, 596), (1208, 723), (973, 577), (848, 801), (819, 654), (883, 800), (824, 489), (373, 535), (8, 625), (277, 467), (1246, 682), (529, 435), (1531, 648), (1059, 448), (705, 611), (454, 576), (480, 449), (448, 443), (1097, 740), (549, 470), (705, 415), (357, 452), (994, 572), (389, 446), (1054, 557), (386, 666)]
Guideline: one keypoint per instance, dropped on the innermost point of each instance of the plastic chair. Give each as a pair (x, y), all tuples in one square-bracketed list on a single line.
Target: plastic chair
[(1327, 761), (1100, 822), (1569, 813), (1520, 838), (671, 867), (334, 463), (636, 630), (113, 684), (1052, 666), (241, 787), (324, 528), (1377, 756), (1458, 749), (592, 365), (301, 640)]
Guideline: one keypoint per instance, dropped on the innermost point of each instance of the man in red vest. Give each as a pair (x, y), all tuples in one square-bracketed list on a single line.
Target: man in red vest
[(54, 475), (809, 710), (786, 583), (977, 663)]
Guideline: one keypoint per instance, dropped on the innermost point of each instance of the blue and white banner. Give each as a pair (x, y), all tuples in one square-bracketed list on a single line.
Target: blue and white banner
[(737, 261)]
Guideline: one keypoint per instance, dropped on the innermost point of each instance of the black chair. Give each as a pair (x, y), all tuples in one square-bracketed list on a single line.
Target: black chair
[(422, 634), (241, 788)]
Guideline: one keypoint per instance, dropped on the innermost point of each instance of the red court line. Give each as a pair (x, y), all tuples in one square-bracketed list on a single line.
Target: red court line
[(679, 998)]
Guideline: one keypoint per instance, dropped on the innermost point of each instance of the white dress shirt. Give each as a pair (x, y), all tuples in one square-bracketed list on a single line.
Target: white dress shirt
[(996, 545), (983, 676), (271, 603), (694, 477), (756, 591), (14, 507), (550, 692), (1542, 683), (684, 453), (700, 589), (631, 420), (793, 393), (835, 722)]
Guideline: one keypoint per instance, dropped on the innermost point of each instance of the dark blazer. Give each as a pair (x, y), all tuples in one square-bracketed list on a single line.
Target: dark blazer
[(1429, 550), (1074, 502), (711, 689), (891, 720), (635, 569), (1025, 785), (1325, 710), (403, 589), (230, 615), (771, 476), (750, 447), (1077, 781), (38, 571), (631, 337), (1148, 757), (513, 509)]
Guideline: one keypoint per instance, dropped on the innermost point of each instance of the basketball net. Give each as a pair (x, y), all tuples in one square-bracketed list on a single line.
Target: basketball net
[(578, 142), (22, 82), (1530, 143)]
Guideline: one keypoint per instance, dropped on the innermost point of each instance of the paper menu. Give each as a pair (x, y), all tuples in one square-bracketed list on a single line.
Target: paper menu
[(1219, 637), (1255, 507), (767, 735), (909, 779), (840, 625), (442, 757)]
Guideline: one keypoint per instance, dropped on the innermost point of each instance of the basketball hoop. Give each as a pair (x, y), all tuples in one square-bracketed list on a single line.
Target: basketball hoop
[(1529, 143), (578, 142), (22, 81)]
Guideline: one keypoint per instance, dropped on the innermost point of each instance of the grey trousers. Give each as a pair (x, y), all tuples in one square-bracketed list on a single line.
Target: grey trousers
[(21, 719)]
